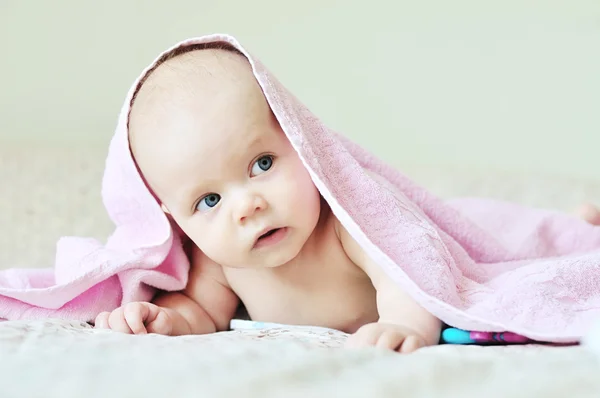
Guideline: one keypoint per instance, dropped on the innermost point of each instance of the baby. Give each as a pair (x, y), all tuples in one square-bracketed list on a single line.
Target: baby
[(210, 149)]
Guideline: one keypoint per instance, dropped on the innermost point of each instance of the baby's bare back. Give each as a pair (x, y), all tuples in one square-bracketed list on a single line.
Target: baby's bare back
[(322, 287)]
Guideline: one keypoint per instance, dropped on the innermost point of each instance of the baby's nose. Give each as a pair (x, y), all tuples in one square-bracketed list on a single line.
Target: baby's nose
[(249, 206)]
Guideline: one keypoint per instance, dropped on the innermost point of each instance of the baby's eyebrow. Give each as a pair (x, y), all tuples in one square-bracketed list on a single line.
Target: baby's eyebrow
[(253, 142), (257, 140)]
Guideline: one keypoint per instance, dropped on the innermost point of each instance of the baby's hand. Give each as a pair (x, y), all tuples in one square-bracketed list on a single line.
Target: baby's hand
[(386, 335), (137, 318)]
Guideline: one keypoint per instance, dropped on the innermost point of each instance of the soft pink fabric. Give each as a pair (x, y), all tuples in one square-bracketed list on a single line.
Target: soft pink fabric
[(476, 264)]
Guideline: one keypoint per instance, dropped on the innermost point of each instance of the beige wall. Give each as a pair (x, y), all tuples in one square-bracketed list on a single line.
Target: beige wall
[(492, 84)]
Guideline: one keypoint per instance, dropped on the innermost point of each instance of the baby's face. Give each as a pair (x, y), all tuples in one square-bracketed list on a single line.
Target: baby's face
[(215, 156)]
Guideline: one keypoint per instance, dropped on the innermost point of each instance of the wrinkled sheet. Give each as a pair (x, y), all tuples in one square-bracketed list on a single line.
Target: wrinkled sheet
[(57, 358)]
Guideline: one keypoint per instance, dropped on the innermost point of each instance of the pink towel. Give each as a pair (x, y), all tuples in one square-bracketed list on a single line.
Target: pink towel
[(476, 264)]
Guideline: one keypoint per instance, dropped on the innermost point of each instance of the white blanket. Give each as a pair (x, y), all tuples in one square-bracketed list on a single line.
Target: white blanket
[(62, 359)]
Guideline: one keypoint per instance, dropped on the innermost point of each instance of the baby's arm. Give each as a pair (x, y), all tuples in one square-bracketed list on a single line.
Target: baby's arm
[(403, 324), (205, 306)]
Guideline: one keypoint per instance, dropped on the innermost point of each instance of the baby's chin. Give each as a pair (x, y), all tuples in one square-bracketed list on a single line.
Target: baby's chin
[(264, 263), (270, 260)]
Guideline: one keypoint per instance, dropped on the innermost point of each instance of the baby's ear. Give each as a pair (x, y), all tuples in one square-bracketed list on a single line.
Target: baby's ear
[(164, 209)]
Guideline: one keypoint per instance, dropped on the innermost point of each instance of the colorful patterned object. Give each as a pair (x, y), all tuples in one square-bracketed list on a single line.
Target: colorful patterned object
[(459, 336)]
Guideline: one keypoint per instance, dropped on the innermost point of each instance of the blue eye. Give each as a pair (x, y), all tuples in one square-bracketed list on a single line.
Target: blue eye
[(209, 201), (263, 164)]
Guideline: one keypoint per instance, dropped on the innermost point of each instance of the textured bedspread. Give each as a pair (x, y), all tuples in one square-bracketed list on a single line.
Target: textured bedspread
[(62, 359)]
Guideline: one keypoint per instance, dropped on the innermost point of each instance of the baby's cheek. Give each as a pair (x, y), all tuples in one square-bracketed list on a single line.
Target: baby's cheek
[(208, 240), (305, 198), (301, 179), (214, 246)]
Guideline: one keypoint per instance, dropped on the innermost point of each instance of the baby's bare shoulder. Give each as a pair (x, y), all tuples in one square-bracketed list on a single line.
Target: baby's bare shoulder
[(340, 249), (203, 268), (356, 252)]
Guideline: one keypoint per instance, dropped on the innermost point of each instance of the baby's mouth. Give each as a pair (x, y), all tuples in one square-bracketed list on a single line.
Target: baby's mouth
[(270, 237), (268, 233)]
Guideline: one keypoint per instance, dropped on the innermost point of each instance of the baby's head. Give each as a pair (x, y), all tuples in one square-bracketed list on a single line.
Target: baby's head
[(209, 147)]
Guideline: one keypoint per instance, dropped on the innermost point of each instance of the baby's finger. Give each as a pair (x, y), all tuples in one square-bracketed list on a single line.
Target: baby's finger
[(117, 322), (589, 213), (162, 324), (411, 344), (134, 314), (390, 340), (363, 337), (101, 321)]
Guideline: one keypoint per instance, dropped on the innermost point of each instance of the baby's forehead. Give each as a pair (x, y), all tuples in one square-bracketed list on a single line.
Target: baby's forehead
[(195, 80), (204, 67), (198, 78), (187, 103)]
